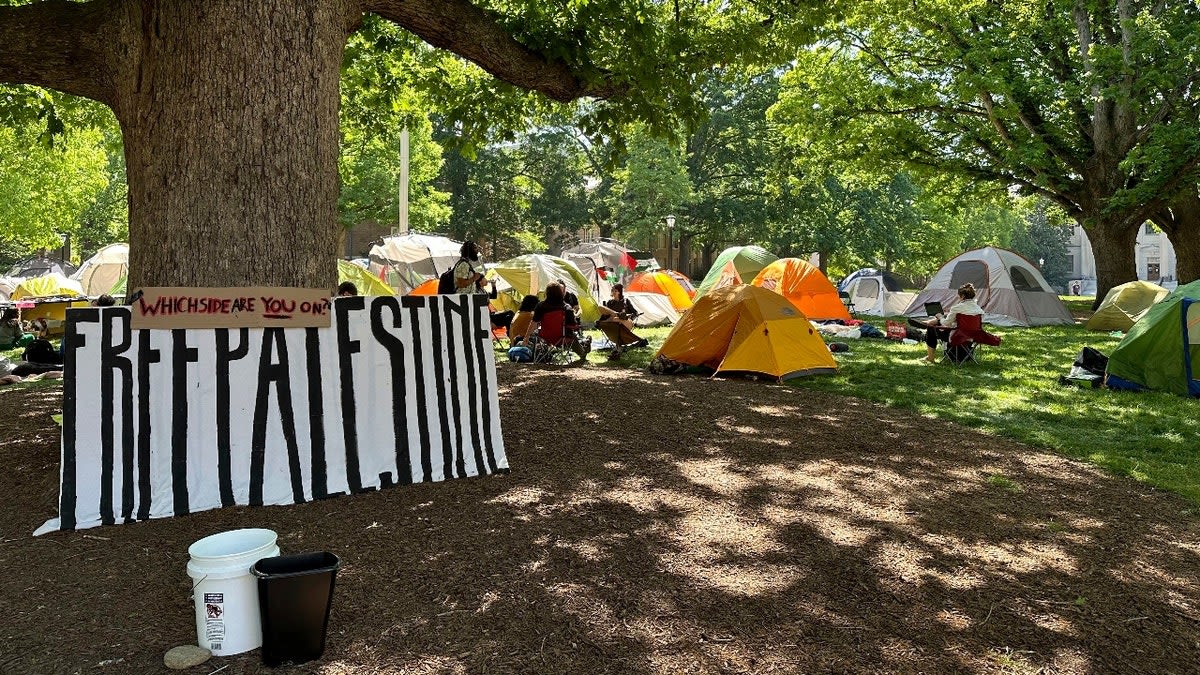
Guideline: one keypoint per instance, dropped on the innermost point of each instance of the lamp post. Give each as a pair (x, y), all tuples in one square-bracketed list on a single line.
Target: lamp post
[(670, 226)]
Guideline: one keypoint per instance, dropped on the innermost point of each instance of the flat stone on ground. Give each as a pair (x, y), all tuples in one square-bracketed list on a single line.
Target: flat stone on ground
[(186, 656)]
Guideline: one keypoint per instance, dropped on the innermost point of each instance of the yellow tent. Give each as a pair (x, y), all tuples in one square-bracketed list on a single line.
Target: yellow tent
[(1123, 305), (749, 329), (52, 294), (366, 283)]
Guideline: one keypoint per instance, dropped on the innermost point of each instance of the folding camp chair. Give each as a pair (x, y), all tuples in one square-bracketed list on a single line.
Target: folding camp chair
[(501, 337), (847, 300), (966, 340), (556, 340)]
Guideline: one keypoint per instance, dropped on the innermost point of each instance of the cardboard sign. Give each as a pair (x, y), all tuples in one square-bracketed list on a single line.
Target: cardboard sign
[(161, 423), (252, 307)]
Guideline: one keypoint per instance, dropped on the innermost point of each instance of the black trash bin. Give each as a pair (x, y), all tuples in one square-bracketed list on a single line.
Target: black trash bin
[(294, 596)]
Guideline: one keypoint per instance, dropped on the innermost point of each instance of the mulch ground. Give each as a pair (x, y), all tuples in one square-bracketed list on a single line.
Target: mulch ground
[(655, 525)]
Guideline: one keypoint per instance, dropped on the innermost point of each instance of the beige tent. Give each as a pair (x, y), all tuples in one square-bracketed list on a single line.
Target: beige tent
[(101, 272), (1125, 304), (1009, 288)]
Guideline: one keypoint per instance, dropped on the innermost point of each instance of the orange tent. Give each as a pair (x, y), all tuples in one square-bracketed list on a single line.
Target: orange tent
[(685, 282), (805, 286), (747, 329), (426, 288), (663, 284)]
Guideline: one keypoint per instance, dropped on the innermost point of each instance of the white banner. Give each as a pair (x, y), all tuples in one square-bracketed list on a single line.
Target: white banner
[(160, 423)]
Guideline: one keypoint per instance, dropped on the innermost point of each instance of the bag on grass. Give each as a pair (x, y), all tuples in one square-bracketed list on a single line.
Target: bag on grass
[(896, 330), (1092, 361), (520, 354)]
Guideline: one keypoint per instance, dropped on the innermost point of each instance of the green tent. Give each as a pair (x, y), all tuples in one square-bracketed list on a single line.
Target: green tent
[(1125, 304), (1162, 350), (748, 261)]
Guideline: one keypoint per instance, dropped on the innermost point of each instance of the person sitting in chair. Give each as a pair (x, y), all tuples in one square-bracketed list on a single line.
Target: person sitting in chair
[(569, 324), (616, 321), (940, 326), (520, 323)]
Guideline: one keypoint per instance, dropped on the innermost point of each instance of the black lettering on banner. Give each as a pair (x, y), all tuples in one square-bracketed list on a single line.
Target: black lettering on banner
[(316, 414), (439, 375), (347, 348), (451, 306), (181, 355), (146, 356), (75, 341), (110, 361), (482, 336), (225, 356), (471, 345), (271, 372), (414, 303), (395, 348)]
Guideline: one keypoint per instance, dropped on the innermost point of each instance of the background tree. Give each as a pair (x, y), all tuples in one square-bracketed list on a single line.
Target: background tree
[(380, 97), (653, 184), (729, 159), (46, 190), (1073, 100)]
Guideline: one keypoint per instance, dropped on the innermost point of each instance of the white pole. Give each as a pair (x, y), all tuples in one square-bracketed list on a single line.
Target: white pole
[(403, 226)]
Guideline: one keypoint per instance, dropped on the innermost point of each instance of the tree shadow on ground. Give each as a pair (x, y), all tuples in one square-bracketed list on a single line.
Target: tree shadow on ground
[(658, 524)]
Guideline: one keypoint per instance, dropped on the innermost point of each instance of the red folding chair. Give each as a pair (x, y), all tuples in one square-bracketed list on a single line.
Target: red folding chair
[(556, 339), (966, 338)]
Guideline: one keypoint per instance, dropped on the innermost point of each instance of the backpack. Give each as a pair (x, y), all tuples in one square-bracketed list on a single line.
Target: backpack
[(41, 351), (446, 285)]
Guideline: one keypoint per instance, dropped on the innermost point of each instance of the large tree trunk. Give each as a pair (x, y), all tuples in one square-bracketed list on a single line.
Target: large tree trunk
[(231, 142), (684, 263), (1113, 248), (1181, 223)]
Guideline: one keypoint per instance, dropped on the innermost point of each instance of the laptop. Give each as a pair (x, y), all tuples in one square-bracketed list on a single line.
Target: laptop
[(933, 308)]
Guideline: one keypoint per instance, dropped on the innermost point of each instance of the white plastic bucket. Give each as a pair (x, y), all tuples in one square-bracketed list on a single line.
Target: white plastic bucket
[(227, 619)]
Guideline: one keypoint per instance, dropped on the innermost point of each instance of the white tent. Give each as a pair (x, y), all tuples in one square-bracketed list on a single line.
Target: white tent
[(876, 292), (1010, 289), (8, 285), (101, 272), (406, 261), (654, 309)]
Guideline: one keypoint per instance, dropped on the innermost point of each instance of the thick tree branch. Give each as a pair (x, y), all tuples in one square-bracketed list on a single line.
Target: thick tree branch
[(60, 45), (464, 29)]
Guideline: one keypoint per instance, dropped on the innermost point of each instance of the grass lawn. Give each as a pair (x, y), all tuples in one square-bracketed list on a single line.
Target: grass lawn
[(1014, 392)]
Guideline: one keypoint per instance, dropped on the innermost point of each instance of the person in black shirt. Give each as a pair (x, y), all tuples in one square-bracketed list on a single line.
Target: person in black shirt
[(570, 324), (616, 322)]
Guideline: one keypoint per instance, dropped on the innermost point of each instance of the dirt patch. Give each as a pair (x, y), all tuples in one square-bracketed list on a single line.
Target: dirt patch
[(656, 525)]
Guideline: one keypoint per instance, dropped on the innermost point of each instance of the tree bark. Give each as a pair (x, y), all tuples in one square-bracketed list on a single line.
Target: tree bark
[(1113, 245), (683, 262), (1180, 221), (230, 120)]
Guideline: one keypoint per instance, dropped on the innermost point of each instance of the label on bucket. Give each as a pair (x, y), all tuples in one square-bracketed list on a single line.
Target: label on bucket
[(214, 619)]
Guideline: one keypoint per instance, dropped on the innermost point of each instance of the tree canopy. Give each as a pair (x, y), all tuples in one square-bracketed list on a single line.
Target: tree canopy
[(1090, 104)]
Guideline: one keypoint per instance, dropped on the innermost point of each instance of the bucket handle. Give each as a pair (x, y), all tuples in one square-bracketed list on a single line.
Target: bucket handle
[(198, 582)]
